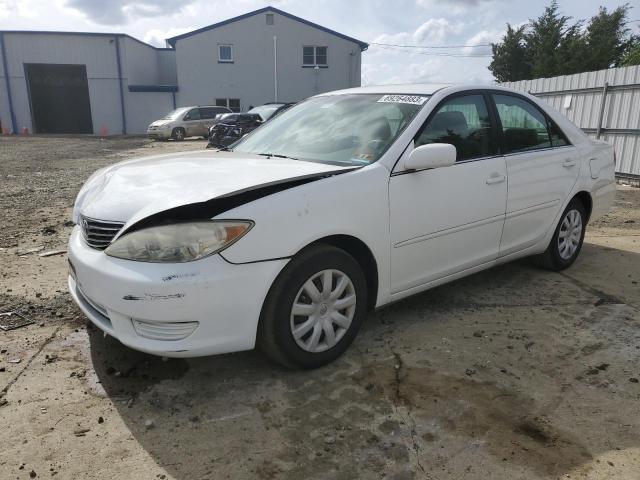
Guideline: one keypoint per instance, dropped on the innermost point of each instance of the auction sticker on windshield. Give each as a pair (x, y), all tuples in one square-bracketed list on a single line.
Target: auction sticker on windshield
[(411, 99)]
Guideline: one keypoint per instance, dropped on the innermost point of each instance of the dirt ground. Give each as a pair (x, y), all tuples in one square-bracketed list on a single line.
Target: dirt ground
[(513, 373)]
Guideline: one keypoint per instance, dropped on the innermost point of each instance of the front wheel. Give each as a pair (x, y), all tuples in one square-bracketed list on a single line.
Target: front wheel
[(314, 308), (567, 239)]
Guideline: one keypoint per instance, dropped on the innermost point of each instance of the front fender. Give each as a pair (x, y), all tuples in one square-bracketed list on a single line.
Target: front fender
[(354, 204)]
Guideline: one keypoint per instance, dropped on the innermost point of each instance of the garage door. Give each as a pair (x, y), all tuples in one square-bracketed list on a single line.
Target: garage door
[(59, 96)]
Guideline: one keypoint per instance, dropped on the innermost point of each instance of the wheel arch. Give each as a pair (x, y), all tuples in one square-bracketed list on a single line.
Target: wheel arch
[(361, 252), (586, 200)]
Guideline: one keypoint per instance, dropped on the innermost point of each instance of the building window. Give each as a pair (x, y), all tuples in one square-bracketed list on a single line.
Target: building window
[(313, 56), (232, 104), (225, 53), (269, 17)]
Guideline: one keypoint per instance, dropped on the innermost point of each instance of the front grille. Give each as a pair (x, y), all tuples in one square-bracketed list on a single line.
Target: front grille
[(99, 233)]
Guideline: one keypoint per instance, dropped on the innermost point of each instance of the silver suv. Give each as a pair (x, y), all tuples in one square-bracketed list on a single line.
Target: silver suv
[(185, 122)]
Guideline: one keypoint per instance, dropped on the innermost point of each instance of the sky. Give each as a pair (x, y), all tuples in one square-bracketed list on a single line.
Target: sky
[(434, 23)]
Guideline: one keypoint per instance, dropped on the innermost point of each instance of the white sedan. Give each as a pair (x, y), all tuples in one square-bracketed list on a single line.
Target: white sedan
[(348, 201)]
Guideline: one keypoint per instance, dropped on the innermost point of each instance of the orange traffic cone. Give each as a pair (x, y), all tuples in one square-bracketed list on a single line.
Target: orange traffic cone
[(104, 131), (25, 131)]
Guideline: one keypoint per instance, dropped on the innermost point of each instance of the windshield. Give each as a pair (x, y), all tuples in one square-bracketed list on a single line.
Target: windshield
[(265, 111), (337, 129), (175, 113)]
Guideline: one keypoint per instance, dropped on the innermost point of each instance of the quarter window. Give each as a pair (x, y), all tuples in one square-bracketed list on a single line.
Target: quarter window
[(314, 56), (524, 127), (464, 123), (225, 53)]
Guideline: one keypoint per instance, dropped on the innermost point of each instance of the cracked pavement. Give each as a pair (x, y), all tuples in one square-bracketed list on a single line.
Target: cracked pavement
[(513, 373)]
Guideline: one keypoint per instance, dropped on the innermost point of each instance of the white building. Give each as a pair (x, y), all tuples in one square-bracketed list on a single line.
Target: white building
[(72, 82)]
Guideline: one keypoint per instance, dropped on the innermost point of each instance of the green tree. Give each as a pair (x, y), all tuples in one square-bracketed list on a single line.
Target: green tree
[(510, 61), (553, 44), (552, 41), (606, 39), (631, 56)]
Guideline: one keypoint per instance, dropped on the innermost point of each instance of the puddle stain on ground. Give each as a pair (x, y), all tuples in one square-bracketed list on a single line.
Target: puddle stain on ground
[(323, 420)]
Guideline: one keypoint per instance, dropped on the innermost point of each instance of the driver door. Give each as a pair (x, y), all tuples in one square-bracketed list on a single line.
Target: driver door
[(450, 219)]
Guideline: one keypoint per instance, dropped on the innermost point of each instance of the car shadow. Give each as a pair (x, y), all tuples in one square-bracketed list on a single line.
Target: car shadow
[(486, 370)]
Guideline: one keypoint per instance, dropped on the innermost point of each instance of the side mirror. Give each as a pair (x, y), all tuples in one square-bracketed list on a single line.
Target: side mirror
[(432, 155)]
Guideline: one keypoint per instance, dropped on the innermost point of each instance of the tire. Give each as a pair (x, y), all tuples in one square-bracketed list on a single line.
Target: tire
[(560, 254), (178, 134), (278, 321)]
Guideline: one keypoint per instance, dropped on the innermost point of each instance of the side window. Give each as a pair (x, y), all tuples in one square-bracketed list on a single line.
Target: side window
[(207, 113), (193, 114), (225, 53), (314, 56), (524, 127), (558, 138), (464, 123)]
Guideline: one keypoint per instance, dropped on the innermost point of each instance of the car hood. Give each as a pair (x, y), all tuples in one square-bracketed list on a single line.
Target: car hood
[(133, 190)]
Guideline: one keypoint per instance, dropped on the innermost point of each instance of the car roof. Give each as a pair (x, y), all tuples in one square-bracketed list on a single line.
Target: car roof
[(417, 88), (411, 89)]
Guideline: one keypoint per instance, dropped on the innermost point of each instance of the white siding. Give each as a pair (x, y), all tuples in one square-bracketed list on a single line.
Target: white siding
[(201, 79)]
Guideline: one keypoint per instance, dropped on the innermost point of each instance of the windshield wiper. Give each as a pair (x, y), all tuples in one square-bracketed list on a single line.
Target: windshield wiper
[(277, 155)]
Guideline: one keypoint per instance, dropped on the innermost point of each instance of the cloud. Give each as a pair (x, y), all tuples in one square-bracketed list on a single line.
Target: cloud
[(432, 32), (157, 36), (483, 37), (118, 12), (460, 3), (455, 7)]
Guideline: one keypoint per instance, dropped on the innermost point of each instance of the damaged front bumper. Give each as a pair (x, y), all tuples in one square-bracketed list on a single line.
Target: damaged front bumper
[(205, 307)]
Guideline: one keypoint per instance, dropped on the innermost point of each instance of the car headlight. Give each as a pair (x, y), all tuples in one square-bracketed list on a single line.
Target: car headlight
[(179, 242)]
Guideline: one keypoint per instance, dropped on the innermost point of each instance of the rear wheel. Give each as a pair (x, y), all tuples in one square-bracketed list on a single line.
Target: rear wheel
[(178, 134), (314, 308), (567, 239)]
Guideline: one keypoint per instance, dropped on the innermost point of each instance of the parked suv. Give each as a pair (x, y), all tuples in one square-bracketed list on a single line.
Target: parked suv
[(229, 128), (185, 122)]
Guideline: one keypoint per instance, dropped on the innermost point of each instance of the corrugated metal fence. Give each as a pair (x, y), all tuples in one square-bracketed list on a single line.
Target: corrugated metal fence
[(605, 104)]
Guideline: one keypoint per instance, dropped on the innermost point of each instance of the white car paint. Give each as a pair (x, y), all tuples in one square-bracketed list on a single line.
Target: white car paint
[(422, 228), (135, 189)]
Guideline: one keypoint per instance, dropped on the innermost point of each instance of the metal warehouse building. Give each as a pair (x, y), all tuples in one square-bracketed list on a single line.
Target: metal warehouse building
[(69, 82)]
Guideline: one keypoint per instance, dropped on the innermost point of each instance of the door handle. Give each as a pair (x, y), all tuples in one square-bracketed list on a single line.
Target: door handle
[(495, 178), (568, 163)]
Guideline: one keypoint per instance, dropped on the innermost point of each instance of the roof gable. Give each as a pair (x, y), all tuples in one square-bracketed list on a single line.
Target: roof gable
[(172, 41)]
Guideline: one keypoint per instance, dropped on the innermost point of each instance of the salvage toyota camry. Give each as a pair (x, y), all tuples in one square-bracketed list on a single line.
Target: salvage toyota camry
[(348, 201)]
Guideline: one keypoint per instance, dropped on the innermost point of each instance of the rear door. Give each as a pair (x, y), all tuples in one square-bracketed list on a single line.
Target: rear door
[(207, 114), (542, 167)]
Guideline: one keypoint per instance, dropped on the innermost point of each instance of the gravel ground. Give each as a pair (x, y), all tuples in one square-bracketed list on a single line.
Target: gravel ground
[(512, 373)]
